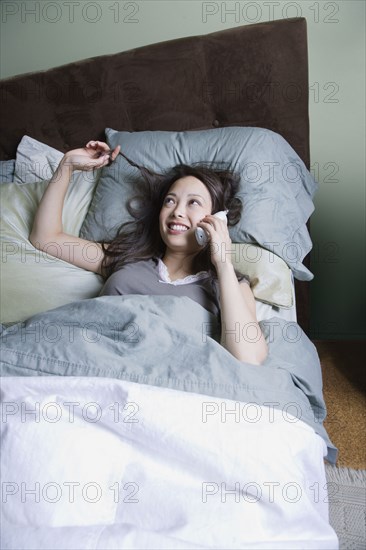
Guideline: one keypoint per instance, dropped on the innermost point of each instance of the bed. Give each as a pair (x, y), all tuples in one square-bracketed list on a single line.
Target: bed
[(125, 423)]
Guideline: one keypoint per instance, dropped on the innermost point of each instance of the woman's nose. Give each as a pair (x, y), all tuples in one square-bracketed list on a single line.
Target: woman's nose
[(179, 211)]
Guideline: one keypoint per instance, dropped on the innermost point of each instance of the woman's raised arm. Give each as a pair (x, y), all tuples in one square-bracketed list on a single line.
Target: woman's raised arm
[(47, 232)]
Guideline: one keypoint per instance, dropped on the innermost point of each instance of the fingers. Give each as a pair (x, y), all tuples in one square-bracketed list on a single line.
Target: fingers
[(115, 153), (103, 160), (98, 145), (208, 229), (212, 221), (216, 228), (103, 149), (99, 162)]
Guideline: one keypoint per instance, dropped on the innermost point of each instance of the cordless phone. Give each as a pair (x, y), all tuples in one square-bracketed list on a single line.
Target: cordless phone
[(201, 234)]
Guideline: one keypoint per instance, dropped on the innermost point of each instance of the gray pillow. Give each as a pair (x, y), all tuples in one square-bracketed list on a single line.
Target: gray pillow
[(276, 188), (7, 168)]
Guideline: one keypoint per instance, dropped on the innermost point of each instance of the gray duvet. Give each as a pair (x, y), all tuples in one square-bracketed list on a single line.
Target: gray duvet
[(170, 342)]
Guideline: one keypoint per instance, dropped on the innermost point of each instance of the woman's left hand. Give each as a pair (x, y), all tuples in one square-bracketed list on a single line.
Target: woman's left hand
[(219, 239)]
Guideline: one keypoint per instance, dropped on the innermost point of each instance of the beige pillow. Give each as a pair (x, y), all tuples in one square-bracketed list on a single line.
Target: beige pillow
[(31, 280), (270, 277)]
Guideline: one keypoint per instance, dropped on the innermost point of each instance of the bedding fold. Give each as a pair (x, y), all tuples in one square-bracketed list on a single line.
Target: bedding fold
[(169, 342)]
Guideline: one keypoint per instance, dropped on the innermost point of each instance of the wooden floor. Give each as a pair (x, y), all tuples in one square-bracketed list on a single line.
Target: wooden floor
[(344, 387)]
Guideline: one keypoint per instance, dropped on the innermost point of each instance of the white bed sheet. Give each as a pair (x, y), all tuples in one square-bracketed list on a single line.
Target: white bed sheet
[(106, 464)]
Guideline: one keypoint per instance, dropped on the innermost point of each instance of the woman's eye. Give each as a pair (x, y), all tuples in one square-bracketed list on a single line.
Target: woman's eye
[(195, 201), (168, 200)]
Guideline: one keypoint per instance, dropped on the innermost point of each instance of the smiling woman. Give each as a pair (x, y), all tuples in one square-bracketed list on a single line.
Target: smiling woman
[(185, 207), (213, 188), (187, 203), (157, 252)]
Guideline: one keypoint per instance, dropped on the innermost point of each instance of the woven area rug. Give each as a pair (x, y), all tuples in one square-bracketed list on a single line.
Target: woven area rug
[(347, 506)]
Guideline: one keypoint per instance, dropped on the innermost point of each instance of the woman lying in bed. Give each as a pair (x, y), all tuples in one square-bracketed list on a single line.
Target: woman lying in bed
[(158, 252)]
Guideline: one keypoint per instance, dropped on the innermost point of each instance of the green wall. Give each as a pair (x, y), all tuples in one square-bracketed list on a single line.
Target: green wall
[(38, 35)]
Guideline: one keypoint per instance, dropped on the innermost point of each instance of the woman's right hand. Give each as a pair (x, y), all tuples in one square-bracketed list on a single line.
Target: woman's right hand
[(95, 154)]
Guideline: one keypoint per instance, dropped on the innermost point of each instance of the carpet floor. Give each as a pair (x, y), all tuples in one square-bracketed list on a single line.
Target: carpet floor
[(344, 387)]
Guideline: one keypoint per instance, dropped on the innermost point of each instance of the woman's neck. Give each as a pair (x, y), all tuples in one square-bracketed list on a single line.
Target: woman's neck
[(179, 265)]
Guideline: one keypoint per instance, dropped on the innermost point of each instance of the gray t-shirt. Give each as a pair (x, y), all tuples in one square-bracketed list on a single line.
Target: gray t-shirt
[(143, 277)]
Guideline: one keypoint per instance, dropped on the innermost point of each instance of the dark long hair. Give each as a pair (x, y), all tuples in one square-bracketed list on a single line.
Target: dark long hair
[(140, 238)]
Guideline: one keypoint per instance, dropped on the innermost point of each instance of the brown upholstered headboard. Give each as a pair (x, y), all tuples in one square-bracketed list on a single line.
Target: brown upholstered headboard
[(254, 75)]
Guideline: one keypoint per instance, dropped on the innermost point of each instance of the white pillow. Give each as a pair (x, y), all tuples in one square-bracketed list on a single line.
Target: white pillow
[(35, 161)]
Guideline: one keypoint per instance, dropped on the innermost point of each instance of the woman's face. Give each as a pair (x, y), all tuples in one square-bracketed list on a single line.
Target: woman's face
[(186, 203)]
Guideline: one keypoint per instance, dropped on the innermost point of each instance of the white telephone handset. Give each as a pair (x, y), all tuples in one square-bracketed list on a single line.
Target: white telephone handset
[(201, 234)]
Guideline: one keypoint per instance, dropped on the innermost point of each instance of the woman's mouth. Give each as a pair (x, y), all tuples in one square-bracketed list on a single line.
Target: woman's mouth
[(176, 228)]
